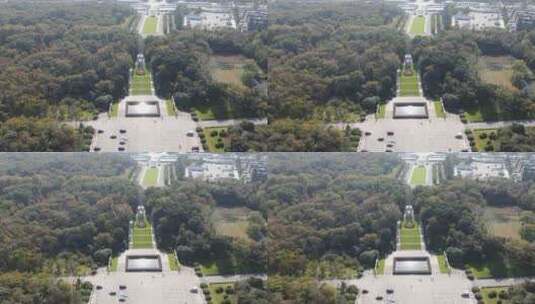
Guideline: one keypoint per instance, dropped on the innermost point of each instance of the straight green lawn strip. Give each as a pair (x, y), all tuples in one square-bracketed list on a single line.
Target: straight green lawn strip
[(381, 111), (141, 84), (143, 236), (169, 108), (439, 109), (442, 264), (151, 177), (114, 109), (173, 262), (409, 85), (114, 264), (380, 266), (418, 176), (218, 297), (149, 27), (410, 238), (418, 25)]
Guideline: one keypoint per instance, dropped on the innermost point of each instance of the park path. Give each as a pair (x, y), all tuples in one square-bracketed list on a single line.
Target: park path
[(231, 278), (500, 124), (231, 122), (502, 282)]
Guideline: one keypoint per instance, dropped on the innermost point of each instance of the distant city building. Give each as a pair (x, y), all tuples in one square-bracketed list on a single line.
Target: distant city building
[(483, 167), (254, 21), (213, 167), (521, 19), (478, 19)]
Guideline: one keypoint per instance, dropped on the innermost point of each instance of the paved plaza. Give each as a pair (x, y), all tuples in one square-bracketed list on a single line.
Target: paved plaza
[(140, 134), (412, 135), (166, 287), (415, 289)]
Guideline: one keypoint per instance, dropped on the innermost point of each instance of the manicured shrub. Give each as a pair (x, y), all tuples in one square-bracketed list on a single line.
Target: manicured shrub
[(470, 277), (478, 296), (223, 133), (503, 295), (219, 145), (475, 289), (219, 289), (213, 133), (483, 135), (198, 129), (204, 285), (493, 294)]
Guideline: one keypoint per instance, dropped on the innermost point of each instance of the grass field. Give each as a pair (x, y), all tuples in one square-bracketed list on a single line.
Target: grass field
[(213, 112), (211, 141), (141, 84), (149, 27), (497, 70), (442, 264), (217, 298), (418, 176), (231, 222), (409, 85), (151, 177), (418, 25), (143, 236), (503, 222), (169, 107), (482, 143), (228, 68), (488, 300), (219, 267), (114, 109), (410, 238), (439, 109)]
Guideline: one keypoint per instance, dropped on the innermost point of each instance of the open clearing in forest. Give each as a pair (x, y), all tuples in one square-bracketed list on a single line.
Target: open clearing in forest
[(503, 222), (228, 68), (231, 222), (497, 70)]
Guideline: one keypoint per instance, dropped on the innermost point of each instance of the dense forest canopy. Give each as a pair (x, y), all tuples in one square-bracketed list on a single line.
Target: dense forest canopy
[(448, 66), (179, 63), (332, 55), (60, 215), (59, 61)]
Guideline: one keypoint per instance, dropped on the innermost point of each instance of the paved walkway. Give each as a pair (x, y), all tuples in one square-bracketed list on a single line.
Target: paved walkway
[(231, 278), (230, 122), (500, 124), (502, 282)]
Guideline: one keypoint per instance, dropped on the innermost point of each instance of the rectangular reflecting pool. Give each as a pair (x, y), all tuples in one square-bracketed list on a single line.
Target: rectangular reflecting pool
[(144, 263), (412, 265)]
